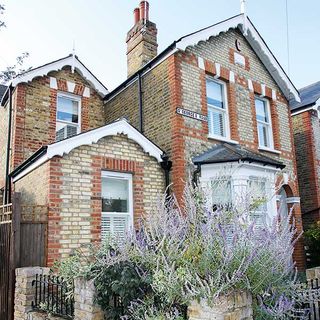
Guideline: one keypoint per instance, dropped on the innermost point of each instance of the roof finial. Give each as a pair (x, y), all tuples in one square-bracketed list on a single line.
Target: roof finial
[(243, 6), (244, 12), (73, 56)]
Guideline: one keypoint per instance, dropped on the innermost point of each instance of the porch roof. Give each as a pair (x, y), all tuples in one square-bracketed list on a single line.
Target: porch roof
[(234, 153)]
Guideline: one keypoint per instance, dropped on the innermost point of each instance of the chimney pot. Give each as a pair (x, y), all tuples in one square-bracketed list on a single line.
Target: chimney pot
[(144, 10), (136, 15)]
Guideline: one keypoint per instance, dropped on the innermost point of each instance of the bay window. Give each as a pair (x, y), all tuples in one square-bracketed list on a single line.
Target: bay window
[(217, 109), (250, 188), (117, 204), (68, 116), (263, 123)]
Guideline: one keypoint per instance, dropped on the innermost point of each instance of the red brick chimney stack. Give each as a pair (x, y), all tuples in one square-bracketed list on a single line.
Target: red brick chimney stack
[(141, 40), (144, 10), (136, 15)]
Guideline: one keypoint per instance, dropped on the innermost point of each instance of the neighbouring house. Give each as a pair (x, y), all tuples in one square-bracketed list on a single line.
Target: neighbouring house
[(306, 128), (213, 99)]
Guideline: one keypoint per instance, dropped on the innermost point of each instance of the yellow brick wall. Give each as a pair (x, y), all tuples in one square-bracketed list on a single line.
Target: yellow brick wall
[(75, 205), (156, 106), (34, 187)]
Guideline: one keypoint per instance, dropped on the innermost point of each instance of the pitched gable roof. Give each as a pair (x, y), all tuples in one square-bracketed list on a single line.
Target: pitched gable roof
[(310, 96), (228, 153), (244, 24), (72, 61), (260, 47), (64, 147)]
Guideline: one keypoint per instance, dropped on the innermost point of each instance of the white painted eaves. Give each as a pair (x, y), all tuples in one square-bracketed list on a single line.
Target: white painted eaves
[(66, 146), (257, 43), (58, 65)]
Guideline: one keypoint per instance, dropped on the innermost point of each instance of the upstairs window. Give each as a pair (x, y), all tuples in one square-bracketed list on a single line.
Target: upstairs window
[(263, 123), (117, 204), (68, 117), (217, 109)]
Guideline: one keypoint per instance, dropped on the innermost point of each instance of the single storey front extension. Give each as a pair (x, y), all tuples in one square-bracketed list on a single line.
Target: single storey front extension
[(94, 184)]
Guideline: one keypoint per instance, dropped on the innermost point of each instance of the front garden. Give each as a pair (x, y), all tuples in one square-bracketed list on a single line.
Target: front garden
[(193, 252)]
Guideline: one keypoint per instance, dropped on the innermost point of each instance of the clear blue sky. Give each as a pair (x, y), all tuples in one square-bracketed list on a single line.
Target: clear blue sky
[(47, 29)]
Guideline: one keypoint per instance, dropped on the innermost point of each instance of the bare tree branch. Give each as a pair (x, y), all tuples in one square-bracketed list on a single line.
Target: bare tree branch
[(12, 71)]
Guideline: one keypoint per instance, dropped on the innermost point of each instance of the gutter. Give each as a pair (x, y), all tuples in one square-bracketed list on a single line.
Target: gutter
[(309, 107), (250, 160), (36, 156)]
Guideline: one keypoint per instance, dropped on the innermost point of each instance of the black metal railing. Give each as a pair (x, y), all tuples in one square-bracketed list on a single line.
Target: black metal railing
[(53, 294), (313, 297)]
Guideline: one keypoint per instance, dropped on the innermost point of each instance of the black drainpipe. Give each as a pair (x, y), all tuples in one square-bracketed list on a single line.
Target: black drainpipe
[(195, 178), (7, 190), (140, 102), (166, 165)]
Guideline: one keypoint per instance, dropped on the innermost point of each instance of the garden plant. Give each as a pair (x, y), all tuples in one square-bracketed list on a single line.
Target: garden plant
[(192, 251)]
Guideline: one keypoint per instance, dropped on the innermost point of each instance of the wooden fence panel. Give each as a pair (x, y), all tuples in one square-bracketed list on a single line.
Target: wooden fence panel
[(5, 270), (33, 238)]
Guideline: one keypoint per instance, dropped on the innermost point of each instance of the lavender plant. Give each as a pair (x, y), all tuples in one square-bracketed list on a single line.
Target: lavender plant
[(197, 251)]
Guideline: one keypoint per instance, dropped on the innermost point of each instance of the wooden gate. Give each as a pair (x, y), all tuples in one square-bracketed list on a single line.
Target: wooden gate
[(33, 235), (9, 254)]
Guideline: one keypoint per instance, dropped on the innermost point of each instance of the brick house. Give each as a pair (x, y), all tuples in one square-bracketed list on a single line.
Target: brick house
[(306, 128), (212, 99), (215, 98)]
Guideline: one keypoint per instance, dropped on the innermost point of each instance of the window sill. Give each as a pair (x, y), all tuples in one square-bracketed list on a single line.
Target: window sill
[(269, 150), (223, 139)]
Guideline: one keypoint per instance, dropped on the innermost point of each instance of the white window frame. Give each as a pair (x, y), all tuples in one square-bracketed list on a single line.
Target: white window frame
[(267, 124), (256, 211), (226, 179), (74, 98), (225, 111), (122, 176), (240, 175)]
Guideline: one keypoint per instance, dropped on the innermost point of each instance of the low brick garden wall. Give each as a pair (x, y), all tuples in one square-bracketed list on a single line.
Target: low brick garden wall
[(236, 306)]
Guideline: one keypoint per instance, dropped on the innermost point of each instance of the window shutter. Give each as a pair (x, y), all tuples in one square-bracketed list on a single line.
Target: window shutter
[(113, 226), (60, 135), (105, 227), (216, 122), (120, 226), (71, 131)]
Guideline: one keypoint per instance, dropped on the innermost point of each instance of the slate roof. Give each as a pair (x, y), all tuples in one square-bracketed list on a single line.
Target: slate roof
[(309, 96), (3, 89), (234, 153)]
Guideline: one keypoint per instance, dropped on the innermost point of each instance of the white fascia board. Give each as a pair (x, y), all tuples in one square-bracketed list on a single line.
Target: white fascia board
[(58, 65), (235, 166), (272, 65), (66, 146), (313, 107), (257, 44), (205, 34)]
